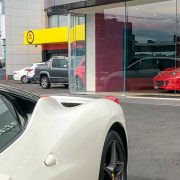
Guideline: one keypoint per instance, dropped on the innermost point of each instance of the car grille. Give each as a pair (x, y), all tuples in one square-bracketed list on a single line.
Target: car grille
[(159, 83), (167, 82)]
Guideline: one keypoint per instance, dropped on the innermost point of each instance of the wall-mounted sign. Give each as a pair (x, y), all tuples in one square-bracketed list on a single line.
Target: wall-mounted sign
[(30, 37), (54, 35)]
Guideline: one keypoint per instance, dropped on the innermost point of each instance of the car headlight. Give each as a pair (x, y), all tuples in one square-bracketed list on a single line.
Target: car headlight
[(174, 73), (160, 72)]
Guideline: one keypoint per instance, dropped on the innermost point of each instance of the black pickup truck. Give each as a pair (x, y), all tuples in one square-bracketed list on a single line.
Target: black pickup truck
[(54, 71)]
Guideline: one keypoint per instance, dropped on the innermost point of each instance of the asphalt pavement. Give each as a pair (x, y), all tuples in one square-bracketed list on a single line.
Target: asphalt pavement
[(153, 126)]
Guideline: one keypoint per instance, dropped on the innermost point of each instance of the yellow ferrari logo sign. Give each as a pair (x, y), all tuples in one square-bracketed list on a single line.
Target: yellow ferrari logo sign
[(112, 176), (30, 37)]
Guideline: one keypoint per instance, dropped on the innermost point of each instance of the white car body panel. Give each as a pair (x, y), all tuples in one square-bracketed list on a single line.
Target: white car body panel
[(20, 74), (30, 74), (74, 136)]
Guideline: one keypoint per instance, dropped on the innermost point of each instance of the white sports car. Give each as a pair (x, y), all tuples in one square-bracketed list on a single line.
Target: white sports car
[(61, 138)]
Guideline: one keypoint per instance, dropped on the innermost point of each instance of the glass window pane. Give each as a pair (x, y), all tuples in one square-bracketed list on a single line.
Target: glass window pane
[(56, 63), (151, 45), (102, 62), (77, 42), (63, 21), (128, 47), (53, 21), (64, 64), (8, 125)]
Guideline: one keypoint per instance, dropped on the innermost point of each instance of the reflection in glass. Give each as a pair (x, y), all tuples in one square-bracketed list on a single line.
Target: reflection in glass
[(110, 28), (8, 125), (77, 43), (151, 45), (139, 50), (58, 21)]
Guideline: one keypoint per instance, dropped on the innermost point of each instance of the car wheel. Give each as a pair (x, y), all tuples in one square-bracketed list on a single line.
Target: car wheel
[(66, 85), (45, 82), (79, 84), (171, 91), (24, 79), (113, 161), (36, 82)]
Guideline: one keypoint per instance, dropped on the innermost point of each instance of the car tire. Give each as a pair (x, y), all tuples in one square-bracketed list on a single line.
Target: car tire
[(171, 91), (24, 79), (45, 82), (113, 161), (79, 84), (36, 82), (66, 85)]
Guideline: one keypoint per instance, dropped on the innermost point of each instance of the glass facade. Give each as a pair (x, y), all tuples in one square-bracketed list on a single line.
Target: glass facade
[(151, 45), (58, 21), (77, 53), (128, 47)]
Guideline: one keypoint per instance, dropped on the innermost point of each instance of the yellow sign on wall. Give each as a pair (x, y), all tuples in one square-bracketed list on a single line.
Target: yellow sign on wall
[(54, 35), (77, 33), (46, 36), (30, 37)]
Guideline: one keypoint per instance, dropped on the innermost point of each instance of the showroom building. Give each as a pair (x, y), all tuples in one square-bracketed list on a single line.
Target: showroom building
[(19, 16), (125, 44)]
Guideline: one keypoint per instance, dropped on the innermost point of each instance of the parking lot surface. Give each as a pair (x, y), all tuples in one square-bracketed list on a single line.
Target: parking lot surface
[(35, 88), (154, 141), (153, 127)]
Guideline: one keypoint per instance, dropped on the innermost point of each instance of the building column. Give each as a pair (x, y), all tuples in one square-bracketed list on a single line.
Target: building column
[(90, 53)]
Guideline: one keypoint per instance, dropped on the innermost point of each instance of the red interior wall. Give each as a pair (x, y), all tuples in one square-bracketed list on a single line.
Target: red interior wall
[(178, 50), (109, 54)]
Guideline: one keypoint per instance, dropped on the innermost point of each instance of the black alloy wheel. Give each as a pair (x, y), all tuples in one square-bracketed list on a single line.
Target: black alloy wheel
[(113, 162), (45, 82)]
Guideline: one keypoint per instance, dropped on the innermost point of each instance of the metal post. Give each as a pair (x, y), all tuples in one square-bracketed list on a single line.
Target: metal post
[(69, 51), (124, 57)]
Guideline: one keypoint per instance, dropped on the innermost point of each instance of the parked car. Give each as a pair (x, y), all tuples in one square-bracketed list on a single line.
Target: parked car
[(59, 137), (20, 75), (80, 75), (139, 76), (54, 71), (2, 64), (169, 79), (31, 71)]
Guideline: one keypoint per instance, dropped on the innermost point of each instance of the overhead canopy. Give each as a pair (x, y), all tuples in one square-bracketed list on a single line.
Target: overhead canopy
[(54, 7)]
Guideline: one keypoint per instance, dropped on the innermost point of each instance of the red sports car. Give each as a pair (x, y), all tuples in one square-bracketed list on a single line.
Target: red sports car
[(80, 75), (168, 79)]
